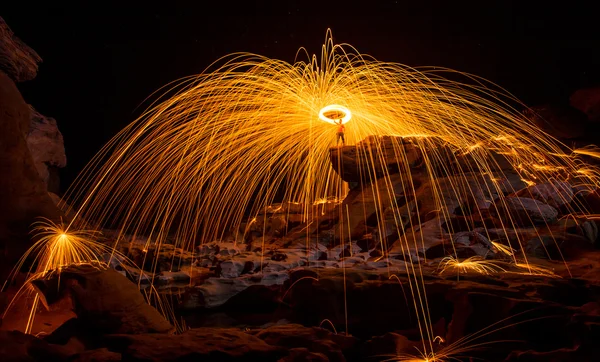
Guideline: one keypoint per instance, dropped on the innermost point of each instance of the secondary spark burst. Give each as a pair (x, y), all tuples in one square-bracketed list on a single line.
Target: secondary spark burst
[(56, 247), (474, 264), (221, 147)]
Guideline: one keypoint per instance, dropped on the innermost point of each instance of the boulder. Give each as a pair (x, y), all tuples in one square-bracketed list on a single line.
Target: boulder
[(523, 211), (45, 143), (365, 205), (375, 157), (508, 181), (203, 344), (556, 194), (16, 346), (17, 60), (96, 355), (391, 344), (427, 235), (560, 122), (316, 340), (587, 100), (558, 355), (303, 355), (214, 292), (104, 300), (464, 194), (463, 246), (558, 246)]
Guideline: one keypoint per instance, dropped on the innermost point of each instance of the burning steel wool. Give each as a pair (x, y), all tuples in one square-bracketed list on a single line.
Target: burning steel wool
[(220, 148)]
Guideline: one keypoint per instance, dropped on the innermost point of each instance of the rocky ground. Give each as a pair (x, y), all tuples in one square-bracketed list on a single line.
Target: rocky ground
[(334, 309), (283, 289)]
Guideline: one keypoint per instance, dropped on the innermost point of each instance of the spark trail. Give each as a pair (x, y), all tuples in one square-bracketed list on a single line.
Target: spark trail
[(219, 148)]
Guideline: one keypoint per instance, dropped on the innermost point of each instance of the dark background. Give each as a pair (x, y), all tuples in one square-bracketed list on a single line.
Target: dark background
[(100, 63)]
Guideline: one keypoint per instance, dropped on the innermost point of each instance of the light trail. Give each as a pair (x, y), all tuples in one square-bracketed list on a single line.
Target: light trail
[(218, 149)]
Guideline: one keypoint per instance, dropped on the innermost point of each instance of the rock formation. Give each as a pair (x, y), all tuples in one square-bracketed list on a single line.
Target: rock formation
[(587, 100), (46, 145), (374, 157), (17, 60), (23, 193), (559, 121), (104, 300), (285, 289)]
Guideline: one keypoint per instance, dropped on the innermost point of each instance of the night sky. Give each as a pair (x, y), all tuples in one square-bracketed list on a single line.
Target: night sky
[(101, 63)]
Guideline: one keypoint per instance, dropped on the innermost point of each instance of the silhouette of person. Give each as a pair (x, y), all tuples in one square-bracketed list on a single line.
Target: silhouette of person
[(340, 132)]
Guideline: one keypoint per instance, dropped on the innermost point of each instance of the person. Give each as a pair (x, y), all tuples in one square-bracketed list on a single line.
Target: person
[(340, 132)]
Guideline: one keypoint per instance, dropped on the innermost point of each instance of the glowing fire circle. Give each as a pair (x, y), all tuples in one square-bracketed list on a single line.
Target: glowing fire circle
[(333, 112)]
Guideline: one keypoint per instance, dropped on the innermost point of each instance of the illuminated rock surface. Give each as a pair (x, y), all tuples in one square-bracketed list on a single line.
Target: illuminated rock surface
[(23, 193), (104, 301), (46, 145), (17, 60)]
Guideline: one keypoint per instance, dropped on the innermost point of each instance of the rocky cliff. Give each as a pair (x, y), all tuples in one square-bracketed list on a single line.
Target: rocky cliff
[(28, 142)]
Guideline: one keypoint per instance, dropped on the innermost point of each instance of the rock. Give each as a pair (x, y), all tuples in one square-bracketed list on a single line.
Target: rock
[(560, 122), (214, 292), (103, 299), (556, 194), (45, 143), (375, 157), (590, 230), (394, 221), (284, 208), (221, 249), (23, 194), (471, 243), (364, 207), (279, 256), (231, 268), (524, 211), (425, 236), (591, 202), (303, 355), (509, 236), (274, 278), (312, 338), (367, 243), (508, 181), (16, 346), (559, 355), (202, 344), (557, 246), (17, 60), (173, 277), (96, 355), (587, 100), (391, 343), (464, 194)]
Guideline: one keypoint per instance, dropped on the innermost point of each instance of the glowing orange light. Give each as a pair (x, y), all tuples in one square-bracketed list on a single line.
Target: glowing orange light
[(333, 112), (226, 142)]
